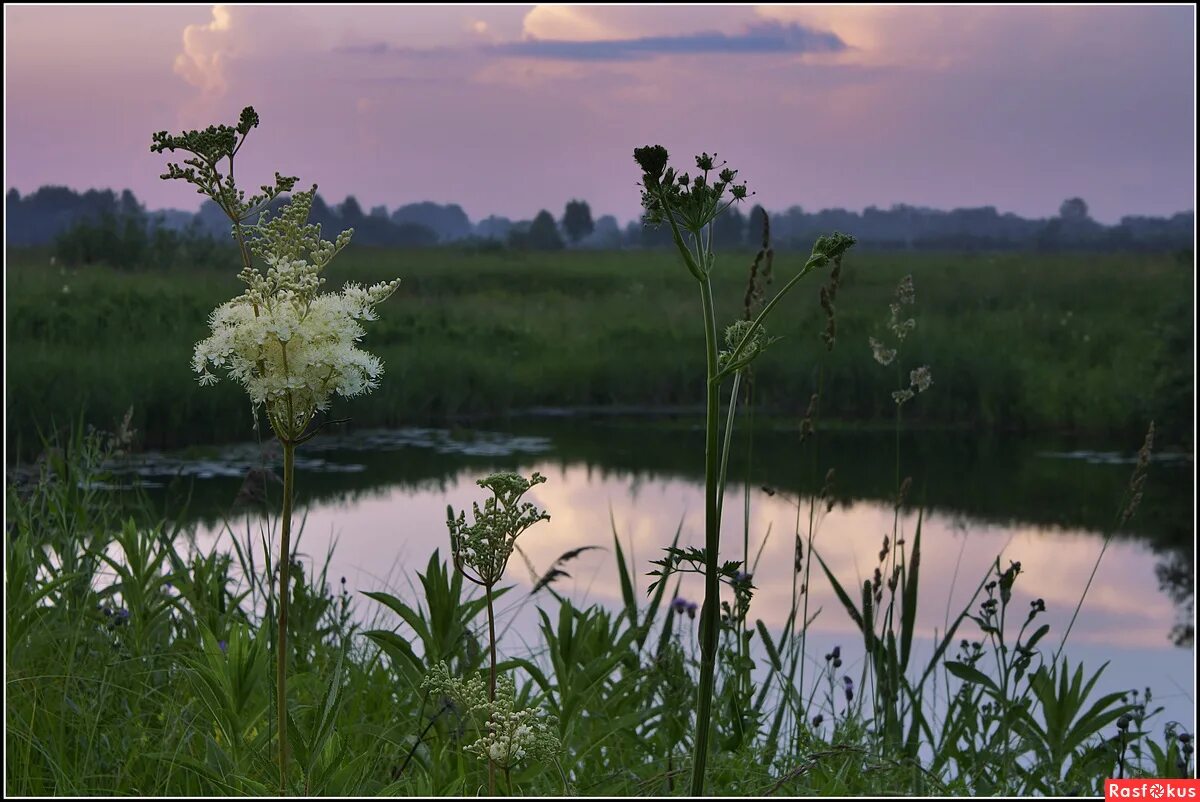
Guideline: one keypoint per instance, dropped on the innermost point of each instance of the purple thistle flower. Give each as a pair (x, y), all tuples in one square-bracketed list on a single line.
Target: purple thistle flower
[(679, 604), (849, 688), (691, 609)]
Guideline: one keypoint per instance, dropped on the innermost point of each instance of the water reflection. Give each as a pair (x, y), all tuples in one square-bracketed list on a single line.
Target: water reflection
[(982, 497), (391, 533), (382, 497)]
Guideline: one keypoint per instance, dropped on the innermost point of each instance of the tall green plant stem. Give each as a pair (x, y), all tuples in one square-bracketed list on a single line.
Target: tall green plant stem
[(285, 562), (712, 541), (698, 266), (487, 589)]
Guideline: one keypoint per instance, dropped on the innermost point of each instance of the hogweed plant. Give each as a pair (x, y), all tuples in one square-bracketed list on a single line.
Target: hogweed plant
[(481, 551), (290, 346), (689, 206)]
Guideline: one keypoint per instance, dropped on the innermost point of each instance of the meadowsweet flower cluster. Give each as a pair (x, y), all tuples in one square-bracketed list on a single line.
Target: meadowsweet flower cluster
[(508, 735), (289, 345), (485, 545)]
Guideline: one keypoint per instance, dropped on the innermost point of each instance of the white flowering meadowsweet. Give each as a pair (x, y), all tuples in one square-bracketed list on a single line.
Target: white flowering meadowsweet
[(290, 346)]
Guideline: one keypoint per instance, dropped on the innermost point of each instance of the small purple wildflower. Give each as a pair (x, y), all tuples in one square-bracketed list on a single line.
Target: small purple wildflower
[(691, 609), (222, 645), (849, 688), (679, 604)]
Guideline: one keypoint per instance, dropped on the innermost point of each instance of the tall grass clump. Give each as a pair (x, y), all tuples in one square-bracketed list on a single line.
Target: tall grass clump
[(690, 207), (291, 347)]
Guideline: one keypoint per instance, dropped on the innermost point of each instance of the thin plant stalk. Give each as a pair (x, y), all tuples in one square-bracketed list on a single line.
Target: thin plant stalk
[(289, 453), (712, 541), (729, 416), (709, 614), (809, 544), (699, 263), (492, 682)]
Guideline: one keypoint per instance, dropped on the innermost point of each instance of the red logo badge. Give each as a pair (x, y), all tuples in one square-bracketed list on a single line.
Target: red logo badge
[(1151, 790)]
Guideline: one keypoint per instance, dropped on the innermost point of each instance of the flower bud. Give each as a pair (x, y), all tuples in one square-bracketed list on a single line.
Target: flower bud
[(652, 159)]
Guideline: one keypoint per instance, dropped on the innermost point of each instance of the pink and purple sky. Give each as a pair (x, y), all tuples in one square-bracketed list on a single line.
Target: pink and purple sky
[(510, 109)]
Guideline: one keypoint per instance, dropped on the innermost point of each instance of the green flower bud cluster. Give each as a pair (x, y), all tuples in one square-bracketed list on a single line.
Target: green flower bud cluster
[(485, 545), (289, 236), (830, 248), (209, 148), (507, 735), (734, 334)]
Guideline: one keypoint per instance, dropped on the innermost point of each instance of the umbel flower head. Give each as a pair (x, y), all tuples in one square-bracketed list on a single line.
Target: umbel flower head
[(485, 545), (289, 345), (508, 735), (692, 203)]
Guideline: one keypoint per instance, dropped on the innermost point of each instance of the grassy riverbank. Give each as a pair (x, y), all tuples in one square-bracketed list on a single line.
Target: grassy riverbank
[(136, 665)]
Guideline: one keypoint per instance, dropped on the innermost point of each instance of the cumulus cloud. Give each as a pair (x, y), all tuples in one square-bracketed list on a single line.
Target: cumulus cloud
[(238, 40), (202, 62)]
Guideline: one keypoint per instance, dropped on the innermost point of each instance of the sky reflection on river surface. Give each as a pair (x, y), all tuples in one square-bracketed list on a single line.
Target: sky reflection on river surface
[(384, 536)]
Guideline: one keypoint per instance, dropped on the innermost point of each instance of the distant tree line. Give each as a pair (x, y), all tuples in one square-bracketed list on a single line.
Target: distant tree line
[(102, 226)]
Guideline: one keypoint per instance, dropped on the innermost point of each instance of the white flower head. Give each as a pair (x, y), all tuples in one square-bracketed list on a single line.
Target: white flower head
[(291, 347)]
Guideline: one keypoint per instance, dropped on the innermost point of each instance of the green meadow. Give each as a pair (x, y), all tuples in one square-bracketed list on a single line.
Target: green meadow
[(1090, 343)]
